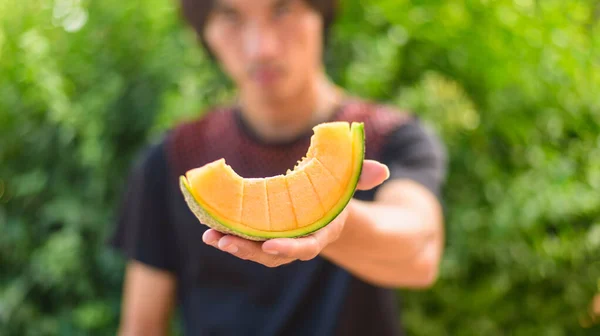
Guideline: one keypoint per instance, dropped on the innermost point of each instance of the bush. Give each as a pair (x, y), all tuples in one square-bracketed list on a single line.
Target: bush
[(510, 86)]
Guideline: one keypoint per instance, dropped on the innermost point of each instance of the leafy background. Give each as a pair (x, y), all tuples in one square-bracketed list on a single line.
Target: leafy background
[(512, 87)]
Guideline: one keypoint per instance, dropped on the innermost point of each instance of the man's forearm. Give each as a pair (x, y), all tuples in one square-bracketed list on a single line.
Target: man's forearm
[(389, 245)]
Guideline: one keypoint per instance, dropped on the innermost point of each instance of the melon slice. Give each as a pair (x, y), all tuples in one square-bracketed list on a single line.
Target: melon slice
[(294, 204)]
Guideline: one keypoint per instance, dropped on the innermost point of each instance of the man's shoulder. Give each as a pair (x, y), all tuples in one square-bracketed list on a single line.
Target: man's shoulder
[(213, 119), (380, 120), (370, 105), (378, 117), (191, 132), (195, 141)]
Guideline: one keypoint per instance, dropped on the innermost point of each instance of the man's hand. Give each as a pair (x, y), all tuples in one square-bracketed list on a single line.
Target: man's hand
[(280, 251)]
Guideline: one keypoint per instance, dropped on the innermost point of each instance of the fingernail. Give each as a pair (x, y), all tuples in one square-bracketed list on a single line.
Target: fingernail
[(231, 248), (207, 240), (272, 252)]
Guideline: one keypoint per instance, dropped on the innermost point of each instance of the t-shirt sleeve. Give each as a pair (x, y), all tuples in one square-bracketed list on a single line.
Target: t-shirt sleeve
[(413, 151), (143, 231)]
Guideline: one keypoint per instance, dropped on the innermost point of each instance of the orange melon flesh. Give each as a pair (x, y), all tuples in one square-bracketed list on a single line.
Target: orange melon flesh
[(255, 207), (332, 145), (328, 187), (295, 204), (220, 188), (281, 210), (305, 199)]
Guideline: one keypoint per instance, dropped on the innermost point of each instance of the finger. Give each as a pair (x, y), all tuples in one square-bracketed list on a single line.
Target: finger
[(250, 250), (306, 248), (211, 237), (373, 174)]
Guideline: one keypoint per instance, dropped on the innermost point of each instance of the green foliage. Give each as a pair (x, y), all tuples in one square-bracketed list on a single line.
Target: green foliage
[(511, 87)]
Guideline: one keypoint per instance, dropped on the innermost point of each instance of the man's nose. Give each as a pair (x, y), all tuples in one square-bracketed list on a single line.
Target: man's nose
[(261, 42)]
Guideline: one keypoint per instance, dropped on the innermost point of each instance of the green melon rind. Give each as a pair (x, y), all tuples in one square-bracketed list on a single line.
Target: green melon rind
[(207, 217)]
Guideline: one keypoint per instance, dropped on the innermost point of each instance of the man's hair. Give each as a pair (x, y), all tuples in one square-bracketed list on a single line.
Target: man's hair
[(196, 12)]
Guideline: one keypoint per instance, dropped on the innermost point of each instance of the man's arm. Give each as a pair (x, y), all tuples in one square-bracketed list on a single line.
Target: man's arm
[(396, 241), (144, 236), (148, 300)]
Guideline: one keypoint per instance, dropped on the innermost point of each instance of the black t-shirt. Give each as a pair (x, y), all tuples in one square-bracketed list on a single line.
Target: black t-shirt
[(220, 294)]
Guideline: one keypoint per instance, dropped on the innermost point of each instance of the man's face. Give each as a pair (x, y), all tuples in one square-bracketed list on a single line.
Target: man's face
[(270, 48)]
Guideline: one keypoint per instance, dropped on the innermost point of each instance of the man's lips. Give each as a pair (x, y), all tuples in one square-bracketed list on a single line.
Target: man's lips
[(266, 76)]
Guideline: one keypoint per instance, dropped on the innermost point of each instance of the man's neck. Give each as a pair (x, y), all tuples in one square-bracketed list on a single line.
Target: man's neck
[(285, 120)]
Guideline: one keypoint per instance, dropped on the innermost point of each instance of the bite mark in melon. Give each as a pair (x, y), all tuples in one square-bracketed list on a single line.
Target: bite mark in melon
[(294, 204)]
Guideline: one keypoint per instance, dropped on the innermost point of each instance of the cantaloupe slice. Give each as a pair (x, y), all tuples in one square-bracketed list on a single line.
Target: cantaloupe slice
[(294, 204)]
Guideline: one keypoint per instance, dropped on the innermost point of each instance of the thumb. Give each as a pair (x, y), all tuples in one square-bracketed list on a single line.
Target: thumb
[(373, 174)]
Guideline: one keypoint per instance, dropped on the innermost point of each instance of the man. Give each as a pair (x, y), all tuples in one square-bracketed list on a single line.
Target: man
[(338, 281)]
